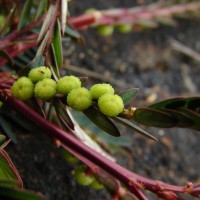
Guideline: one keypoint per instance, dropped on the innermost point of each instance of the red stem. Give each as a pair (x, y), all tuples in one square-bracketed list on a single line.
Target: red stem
[(132, 181)]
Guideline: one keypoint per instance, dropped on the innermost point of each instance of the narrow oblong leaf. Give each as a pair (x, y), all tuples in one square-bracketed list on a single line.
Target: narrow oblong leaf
[(102, 121), (25, 14), (14, 193), (57, 44), (194, 117), (61, 110), (7, 169), (182, 119), (8, 183), (72, 33), (128, 95), (166, 103), (7, 129), (46, 23), (134, 127), (156, 118), (36, 62), (41, 7), (2, 139)]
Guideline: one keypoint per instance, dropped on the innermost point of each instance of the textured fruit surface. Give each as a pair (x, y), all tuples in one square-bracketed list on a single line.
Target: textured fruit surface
[(45, 89), (39, 73), (23, 88), (79, 99), (81, 177), (100, 89), (110, 105), (68, 83)]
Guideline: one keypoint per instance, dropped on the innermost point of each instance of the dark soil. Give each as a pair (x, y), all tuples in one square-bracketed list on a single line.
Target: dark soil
[(142, 59)]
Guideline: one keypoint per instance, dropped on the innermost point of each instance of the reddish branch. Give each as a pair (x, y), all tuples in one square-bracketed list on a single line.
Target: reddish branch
[(105, 17), (131, 15), (134, 182)]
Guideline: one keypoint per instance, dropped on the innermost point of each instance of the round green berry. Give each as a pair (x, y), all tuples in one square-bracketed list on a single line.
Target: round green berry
[(45, 89), (79, 99), (68, 83), (81, 177), (96, 185), (105, 30), (100, 89), (124, 28), (23, 88), (1, 104), (39, 73), (110, 105)]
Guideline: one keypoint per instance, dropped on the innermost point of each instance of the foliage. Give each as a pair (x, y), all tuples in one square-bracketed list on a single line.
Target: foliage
[(33, 38)]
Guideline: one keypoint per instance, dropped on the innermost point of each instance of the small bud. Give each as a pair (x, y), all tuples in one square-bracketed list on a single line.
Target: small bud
[(100, 89), (23, 88), (110, 105), (39, 73), (68, 83), (45, 89), (79, 99)]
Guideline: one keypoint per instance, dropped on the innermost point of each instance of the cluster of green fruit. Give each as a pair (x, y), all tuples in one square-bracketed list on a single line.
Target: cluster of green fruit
[(40, 84)]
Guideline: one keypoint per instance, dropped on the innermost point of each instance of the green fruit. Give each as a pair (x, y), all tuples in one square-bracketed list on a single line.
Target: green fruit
[(79, 99), (110, 105), (97, 185), (39, 73), (45, 89), (1, 104), (81, 177), (105, 30), (23, 88), (100, 89), (68, 83), (69, 157), (124, 28)]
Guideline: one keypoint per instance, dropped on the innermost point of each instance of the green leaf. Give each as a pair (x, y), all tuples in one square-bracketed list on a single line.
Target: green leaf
[(17, 194), (128, 95), (72, 33), (102, 121), (194, 117), (36, 62), (169, 103), (57, 45), (8, 183), (5, 55), (61, 110), (134, 127), (150, 117), (46, 23), (181, 118), (41, 7), (7, 129), (2, 139), (25, 14), (7, 169)]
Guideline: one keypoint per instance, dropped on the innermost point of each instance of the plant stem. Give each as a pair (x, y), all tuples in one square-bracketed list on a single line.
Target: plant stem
[(133, 182)]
